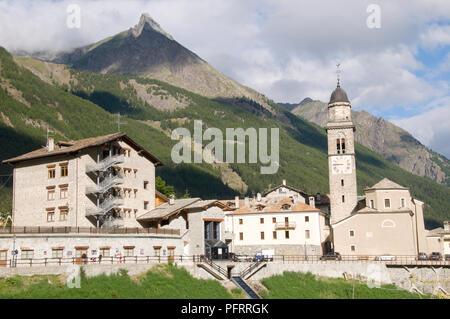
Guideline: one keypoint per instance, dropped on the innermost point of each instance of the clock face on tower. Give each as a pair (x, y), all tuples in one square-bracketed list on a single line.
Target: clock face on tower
[(341, 164)]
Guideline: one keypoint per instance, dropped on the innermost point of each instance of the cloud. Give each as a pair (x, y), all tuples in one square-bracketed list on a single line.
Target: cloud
[(285, 49), (436, 35), (431, 128)]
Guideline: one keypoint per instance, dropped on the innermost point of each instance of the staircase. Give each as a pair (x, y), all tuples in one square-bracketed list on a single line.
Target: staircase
[(212, 268), (240, 282), (105, 164), (105, 185), (252, 269), (105, 207)]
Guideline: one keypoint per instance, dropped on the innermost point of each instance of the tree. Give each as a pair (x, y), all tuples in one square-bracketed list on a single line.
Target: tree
[(161, 186)]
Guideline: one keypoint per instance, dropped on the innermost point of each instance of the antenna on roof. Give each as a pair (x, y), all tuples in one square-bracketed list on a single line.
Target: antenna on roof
[(119, 123)]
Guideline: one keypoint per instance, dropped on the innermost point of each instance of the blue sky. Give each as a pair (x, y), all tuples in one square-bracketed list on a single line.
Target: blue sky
[(285, 49)]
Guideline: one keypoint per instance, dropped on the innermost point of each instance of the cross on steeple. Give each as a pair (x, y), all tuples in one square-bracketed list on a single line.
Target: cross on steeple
[(338, 74)]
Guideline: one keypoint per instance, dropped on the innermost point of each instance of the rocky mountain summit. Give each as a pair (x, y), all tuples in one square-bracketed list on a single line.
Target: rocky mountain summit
[(388, 140), (146, 22), (148, 50)]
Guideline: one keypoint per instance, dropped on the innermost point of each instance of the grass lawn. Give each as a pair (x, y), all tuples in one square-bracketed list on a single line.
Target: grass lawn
[(161, 282), (293, 285)]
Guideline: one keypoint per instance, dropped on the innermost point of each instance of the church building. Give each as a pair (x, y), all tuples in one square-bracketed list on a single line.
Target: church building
[(386, 220)]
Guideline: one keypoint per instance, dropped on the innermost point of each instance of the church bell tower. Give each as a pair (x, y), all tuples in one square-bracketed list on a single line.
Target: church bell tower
[(341, 156)]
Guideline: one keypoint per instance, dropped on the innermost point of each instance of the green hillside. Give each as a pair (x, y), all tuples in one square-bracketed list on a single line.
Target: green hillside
[(292, 285), (86, 107), (160, 282)]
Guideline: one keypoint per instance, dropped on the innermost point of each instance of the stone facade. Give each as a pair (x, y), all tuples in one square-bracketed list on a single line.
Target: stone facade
[(341, 161), (43, 245), (33, 199)]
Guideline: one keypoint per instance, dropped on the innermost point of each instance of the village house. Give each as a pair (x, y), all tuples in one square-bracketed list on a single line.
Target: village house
[(284, 219)]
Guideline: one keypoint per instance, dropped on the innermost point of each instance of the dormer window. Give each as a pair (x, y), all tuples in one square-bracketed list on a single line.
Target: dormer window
[(285, 206)]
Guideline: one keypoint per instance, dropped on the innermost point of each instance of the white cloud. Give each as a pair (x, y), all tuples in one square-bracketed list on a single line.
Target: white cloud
[(436, 35), (431, 128), (286, 49)]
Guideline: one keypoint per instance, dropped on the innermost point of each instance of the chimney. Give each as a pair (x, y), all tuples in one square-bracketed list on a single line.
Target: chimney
[(284, 182), (312, 202), (258, 197), (50, 144), (447, 225), (246, 202), (236, 202), (171, 199)]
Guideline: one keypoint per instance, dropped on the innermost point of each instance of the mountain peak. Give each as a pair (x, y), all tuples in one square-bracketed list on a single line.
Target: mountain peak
[(146, 22)]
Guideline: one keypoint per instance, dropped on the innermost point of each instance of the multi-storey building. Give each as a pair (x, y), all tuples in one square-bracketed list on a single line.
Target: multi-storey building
[(101, 181)]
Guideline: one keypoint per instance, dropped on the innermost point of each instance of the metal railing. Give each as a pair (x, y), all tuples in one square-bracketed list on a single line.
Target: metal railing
[(285, 225), (250, 268), (105, 185), (106, 163), (105, 260), (86, 230), (212, 264), (105, 206), (403, 261)]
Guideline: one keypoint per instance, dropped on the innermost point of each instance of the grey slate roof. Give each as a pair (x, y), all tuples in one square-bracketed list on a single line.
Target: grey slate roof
[(202, 203), (166, 209)]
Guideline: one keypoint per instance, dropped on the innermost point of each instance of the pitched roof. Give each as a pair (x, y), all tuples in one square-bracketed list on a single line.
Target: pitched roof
[(288, 187), (386, 183), (73, 146), (158, 193), (166, 209), (275, 207), (206, 203)]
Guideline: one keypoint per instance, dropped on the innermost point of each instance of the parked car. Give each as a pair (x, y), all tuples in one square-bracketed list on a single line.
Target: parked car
[(447, 257), (331, 256), (422, 256), (435, 256), (385, 257)]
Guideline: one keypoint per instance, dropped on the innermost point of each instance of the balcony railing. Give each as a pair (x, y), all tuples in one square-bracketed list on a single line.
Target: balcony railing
[(285, 225), (105, 185), (105, 163), (86, 230), (105, 207)]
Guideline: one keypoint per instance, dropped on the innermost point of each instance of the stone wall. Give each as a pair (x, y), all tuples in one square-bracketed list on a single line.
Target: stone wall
[(424, 279), (251, 250)]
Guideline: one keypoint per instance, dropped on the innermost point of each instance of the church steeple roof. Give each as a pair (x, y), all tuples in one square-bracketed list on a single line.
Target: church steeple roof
[(338, 95)]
